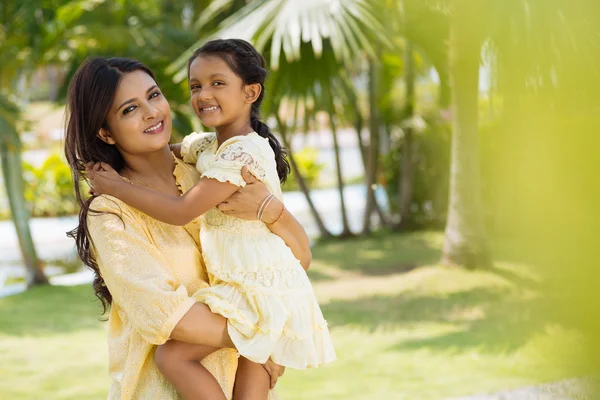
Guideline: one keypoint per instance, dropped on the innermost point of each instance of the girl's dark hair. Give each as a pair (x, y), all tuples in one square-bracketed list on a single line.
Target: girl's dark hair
[(90, 96), (250, 66)]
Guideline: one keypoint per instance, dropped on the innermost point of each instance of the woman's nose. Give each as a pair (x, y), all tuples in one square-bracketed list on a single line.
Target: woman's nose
[(151, 112)]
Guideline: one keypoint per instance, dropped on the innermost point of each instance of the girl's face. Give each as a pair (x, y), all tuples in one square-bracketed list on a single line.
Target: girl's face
[(139, 121), (219, 97)]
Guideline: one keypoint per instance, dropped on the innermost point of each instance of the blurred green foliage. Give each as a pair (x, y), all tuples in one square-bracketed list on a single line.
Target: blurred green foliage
[(432, 157), (49, 188), (309, 167)]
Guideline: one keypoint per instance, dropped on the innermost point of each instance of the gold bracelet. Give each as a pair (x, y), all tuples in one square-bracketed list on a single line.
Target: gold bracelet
[(260, 209), (266, 206), (280, 214)]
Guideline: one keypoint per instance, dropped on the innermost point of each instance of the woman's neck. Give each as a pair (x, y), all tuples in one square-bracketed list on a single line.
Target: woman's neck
[(237, 128), (150, 167)]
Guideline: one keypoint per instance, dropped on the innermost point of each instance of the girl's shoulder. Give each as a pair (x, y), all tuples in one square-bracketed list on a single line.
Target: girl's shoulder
[(252, 144), (196, 143)]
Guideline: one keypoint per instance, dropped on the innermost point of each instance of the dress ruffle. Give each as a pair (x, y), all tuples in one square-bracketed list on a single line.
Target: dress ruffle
[(269, 303)]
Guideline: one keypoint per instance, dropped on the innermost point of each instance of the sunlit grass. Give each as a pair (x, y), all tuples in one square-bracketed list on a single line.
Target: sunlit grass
[(404, 328)]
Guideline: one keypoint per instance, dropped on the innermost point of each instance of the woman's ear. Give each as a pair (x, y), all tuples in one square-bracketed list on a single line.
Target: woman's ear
[(252, 92), (105, 136)]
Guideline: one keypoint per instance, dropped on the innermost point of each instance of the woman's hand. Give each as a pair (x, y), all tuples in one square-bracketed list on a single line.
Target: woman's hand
[(246, 201), (274, 371), (102, 177)]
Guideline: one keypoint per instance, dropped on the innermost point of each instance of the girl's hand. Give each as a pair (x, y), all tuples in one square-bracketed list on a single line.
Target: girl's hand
[(103, 178), (246, 201)]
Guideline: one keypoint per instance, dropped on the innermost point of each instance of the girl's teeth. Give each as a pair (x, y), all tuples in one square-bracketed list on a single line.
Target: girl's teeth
[(209, 108)]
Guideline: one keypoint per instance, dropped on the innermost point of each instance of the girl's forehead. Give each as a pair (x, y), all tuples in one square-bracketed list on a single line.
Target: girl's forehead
[(208, 64)]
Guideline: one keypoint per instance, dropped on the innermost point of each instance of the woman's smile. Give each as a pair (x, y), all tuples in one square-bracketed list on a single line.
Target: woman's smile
[(156, 128)]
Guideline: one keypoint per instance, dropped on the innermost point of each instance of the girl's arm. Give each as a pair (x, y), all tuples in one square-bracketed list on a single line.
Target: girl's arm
[(174, 210)]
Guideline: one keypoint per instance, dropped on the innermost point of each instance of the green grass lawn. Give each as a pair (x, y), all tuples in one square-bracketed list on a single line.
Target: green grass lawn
[(404, 328)]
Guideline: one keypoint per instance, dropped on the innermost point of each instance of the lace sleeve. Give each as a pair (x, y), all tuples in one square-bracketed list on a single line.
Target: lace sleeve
[(194, 144), (232, 158)]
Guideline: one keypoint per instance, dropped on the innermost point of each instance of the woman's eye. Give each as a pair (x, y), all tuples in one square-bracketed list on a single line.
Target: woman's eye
[(128, 110), (155, 94), (194, 87), (218, 83)]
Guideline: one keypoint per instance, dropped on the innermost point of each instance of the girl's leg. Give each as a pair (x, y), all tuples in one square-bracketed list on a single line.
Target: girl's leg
[(251, 381), (179, 362)]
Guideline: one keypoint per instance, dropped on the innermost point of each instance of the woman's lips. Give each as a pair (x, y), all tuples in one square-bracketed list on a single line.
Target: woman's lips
[(158, 128)]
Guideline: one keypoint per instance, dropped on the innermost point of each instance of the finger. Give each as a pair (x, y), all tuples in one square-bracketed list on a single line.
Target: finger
[(265, 366), (248, 177), (105, 166), (224, 206), (97, 167), (274, 378)]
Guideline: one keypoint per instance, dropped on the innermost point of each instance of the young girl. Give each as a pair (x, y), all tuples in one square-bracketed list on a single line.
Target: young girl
[(256, 282)]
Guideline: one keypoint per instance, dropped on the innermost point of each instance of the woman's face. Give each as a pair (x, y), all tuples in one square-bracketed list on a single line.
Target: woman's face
[(139, 121)]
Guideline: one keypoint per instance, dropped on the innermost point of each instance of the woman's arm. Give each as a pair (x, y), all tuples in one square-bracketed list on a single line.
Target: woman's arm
[(174, 210), (245, 204)]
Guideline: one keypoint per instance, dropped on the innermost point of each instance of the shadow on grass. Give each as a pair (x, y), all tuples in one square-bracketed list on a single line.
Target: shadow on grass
[(49, 310), (382, 254), (493, 319)]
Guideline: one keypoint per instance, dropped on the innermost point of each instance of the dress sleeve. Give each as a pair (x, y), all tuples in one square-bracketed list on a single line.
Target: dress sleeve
[(136, 273), (194, 144), (232, 157)]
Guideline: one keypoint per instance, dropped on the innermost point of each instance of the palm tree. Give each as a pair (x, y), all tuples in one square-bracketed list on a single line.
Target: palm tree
[(314, 35), (33, 34), (465, 236)]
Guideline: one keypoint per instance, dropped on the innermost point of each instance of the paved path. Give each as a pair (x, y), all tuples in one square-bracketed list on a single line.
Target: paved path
[(53, 244)]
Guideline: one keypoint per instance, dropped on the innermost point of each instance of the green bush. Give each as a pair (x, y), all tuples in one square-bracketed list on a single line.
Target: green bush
[(306, 159), (49, 189), (432, 158)]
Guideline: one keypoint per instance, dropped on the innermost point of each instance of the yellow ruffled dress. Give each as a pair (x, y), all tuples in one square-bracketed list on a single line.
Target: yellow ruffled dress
[(255, 280)]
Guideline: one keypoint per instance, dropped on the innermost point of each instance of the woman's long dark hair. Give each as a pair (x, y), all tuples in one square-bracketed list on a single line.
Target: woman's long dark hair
[(250, 66), (90, 97)]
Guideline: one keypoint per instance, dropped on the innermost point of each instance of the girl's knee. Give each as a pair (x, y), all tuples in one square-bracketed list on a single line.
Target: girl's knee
[(166, 355)]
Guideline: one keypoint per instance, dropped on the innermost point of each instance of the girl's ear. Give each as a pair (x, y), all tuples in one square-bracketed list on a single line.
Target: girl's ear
[(252, 92), (105, 136)]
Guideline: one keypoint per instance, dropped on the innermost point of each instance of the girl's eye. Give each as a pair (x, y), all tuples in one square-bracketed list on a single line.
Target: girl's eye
[(154, 94), (218, 83), (128, 110), (193, 87)]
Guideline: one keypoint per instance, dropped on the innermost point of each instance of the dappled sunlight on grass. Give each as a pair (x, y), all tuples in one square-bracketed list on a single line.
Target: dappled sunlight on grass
[(424, 332)]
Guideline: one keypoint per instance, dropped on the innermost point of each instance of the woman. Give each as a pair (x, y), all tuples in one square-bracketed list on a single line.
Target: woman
[(145, 269)]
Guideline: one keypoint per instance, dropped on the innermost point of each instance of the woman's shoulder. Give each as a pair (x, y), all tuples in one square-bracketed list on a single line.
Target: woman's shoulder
[(108, 204)]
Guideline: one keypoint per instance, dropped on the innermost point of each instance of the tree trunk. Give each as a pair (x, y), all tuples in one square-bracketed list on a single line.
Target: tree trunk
[(465, 237), (13, 180), (373, 150), (323, 231), (346, 232), (407, 168)]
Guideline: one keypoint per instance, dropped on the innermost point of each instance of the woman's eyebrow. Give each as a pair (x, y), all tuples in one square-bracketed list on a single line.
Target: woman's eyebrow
[(133, 99)]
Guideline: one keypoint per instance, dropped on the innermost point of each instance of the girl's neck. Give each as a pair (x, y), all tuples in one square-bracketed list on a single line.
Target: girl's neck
[(237, 128), (156, 166)]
